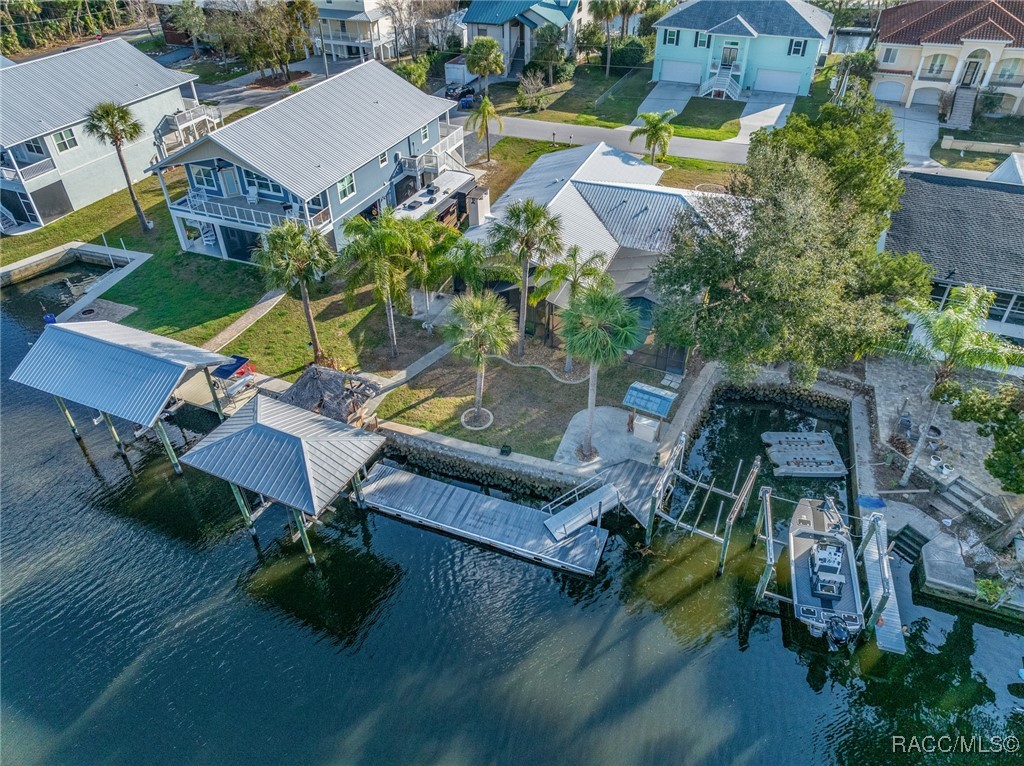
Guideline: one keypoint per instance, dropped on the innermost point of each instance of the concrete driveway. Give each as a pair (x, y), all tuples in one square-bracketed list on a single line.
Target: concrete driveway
[(918, 129), (763, 110), (665, 96)]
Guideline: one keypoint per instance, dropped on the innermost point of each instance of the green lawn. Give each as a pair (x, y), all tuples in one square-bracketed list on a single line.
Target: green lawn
[(514, 156), (810, 105), (709, 119), (580, 102), (1005, 130), (685, 173), (531, 409), (153, 44), (238, 114), (951, 158), (353, 332), (211, 71)]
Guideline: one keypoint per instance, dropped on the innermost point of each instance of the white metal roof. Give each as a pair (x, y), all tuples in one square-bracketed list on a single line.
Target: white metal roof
[(125, 372), (55, 92), (286, 453), (1010, 171), (314, 138)]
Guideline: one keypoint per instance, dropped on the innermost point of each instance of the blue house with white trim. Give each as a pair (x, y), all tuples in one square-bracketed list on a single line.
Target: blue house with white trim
[(726, 47)]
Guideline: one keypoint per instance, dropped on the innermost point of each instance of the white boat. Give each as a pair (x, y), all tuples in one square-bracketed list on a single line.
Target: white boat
[(826, 591)]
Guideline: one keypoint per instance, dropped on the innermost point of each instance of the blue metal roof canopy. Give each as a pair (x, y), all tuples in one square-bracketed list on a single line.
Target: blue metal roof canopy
[(656, 401)]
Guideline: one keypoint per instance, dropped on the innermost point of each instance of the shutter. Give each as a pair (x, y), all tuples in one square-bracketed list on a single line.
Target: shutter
[(664, 37), (803, 50), (679, 36), (696, 39), (789, 52)]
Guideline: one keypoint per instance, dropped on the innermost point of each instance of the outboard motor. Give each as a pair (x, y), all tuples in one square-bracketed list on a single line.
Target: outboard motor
[(837, 633)]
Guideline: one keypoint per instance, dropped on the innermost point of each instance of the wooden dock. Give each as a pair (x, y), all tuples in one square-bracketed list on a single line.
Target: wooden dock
[(635, 482), (888, 628), (509, 527)]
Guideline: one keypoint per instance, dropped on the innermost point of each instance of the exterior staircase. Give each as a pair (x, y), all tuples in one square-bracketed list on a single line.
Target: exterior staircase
[(7, 221), (721, 82), (518, 62), (908, 544), (962, 112), (962, 498)]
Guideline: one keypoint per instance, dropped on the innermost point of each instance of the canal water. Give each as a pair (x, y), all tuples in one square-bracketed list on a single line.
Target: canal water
[(140, 624)]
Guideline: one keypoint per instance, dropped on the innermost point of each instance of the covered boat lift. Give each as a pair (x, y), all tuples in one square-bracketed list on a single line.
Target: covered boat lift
[(120, 371), (287, 455)]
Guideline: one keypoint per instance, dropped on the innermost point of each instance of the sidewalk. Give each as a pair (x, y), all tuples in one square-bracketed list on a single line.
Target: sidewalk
[(244, 322)]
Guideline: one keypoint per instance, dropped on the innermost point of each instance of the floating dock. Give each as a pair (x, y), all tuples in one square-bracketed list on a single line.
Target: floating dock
[(885, 611), (509, 527), (804, 454)]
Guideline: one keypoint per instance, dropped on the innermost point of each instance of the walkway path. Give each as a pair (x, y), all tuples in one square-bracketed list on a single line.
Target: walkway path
[(244, 322)]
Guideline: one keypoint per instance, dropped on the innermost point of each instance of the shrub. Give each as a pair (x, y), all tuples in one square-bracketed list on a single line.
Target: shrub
[(437, 59), (627, 53), (651, 15), (414, 71), (989, 100), (563, 72), (989, 591), (861, 64), (530, 94)]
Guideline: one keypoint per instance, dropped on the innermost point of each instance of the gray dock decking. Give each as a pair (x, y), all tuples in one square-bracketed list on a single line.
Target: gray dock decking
[(509, 527), (889, 630), (635, 482)]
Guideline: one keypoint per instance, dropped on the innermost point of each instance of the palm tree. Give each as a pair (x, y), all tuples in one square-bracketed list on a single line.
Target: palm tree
[(575, 272), (483, 325), (547, 48), (955, 338), (599, 327), (656, 131), (605, 11), (117, 126), (527, 234), (380, 252), (627, 8), (472, 263), (294, 254), (430, 240), (479, 121), (484, 58)]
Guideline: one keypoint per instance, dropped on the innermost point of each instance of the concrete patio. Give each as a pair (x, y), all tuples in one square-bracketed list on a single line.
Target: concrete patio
[(611, 439)]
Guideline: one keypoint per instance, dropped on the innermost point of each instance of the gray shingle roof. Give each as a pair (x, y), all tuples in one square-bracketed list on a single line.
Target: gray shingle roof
[(286, 453), (782, 18), (973, 227), (314, 138), (54, 92)]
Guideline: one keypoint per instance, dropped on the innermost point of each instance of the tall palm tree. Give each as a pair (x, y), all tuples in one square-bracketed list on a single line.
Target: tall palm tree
[(627, 9), (380, 252), (954, 338), (471, 262), (117, 126), (605, 11), (527, 234), (656, 132), (484, 58), (547, 48), (599, 327), (294, 254), (479, 121), (430, 241), (575, 272), (483, 325)]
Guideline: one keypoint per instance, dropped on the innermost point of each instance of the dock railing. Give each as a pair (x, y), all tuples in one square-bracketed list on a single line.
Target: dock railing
[(574, 494)]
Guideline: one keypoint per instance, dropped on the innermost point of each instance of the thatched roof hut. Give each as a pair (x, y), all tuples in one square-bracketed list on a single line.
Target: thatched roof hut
[(332, 393)]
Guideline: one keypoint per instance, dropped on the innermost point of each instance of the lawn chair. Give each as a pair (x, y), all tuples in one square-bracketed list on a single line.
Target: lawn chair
[(252, 195)]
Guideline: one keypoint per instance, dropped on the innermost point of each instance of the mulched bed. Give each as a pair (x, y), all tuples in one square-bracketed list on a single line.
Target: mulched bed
[(278, 81)]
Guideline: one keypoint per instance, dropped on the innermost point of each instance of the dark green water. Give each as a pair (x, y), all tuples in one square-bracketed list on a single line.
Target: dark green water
[(140, 625)]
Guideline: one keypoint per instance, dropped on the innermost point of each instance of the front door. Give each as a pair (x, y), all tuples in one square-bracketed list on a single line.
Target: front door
[(729, 54), (230, 180), (970, 73)]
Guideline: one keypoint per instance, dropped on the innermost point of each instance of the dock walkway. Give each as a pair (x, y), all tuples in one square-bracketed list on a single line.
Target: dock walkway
[(888, 629), (509, 527), (635, 482)]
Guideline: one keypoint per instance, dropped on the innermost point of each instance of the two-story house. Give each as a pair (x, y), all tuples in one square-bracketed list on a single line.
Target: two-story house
[(349, 145), (513, 23), (932, 47), (726, 47), (354, 29), (49, 165)]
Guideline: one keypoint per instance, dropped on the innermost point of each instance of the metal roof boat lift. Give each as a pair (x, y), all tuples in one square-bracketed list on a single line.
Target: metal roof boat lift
[(119, 371)]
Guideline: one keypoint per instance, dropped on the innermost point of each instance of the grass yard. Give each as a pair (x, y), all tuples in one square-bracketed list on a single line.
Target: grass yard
[(709, 119), (238, 114), (951, 158), (113, 216), (353, 333), (211, 72), (576, 102), (514, 156), (685, 173), (531, 409), (1004, 130), (153, 44), (811, 104)]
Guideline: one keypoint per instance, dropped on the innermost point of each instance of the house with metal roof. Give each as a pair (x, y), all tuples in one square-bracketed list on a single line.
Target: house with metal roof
[(513, 24), (1010, 170), (971, 232), (349, 145), (49, 165), (957, 47), (726, 47)]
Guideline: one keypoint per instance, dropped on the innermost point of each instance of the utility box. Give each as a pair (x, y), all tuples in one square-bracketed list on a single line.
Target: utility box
[(478, 206), (645, 429)]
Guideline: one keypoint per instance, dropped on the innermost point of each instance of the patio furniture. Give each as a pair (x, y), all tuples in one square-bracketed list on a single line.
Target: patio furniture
[(252, 195)]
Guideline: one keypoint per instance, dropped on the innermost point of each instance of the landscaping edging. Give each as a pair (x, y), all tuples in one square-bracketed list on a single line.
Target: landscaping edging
[(948, 142)]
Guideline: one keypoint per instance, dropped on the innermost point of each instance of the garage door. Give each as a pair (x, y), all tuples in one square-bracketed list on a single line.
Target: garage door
[(777, 81), (927, 96), (680, 71), (889, 91)]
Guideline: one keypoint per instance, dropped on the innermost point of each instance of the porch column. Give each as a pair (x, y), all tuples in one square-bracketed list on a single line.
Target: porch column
[(988, 73), (179, 229), (220, 241), (920, 66), (955, 81), (192, 85), (910, 95)]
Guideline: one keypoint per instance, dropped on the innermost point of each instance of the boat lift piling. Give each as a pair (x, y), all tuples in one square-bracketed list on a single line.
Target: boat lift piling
[(738, 508)]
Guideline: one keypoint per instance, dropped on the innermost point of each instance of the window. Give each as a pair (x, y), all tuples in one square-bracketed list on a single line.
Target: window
[(1007, 70), (701, 40), (1016, 315), (383, 159), (938, 63), (889, 55), (797, 47), (262, 183), (425, 133), (65, 140), (999, 306), (347, 186), (482, 32), (203, 177), (671, 37), (35, 146)]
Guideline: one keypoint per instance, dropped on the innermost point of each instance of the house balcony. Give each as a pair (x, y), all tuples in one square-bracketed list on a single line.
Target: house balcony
[(347, 38), (737, 68), (935, 77), (194, 113), (182, 128), (1013, 81), (452, 137), (12, 170), (262, 215)]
